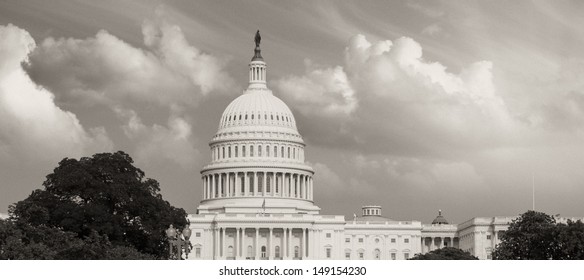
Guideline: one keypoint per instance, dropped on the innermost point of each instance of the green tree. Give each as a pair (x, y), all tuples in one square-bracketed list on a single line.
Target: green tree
[(103, 197), (446, 253), (529, 237), (569, 241)]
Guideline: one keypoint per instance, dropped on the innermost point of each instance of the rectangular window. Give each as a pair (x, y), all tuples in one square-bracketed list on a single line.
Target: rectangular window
[(393, 240), (406, 240), (198, 234), (393, 256), (360, 240), (406, 256), (347, 240), (360, 255), (347, 255), (328, 253), (328, 235), (197, 252), (488, 237)]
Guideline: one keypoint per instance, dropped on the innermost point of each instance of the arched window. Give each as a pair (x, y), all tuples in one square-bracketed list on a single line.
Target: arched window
[(263, 252), (377, 254), (268, 151), (294, 153), (288, 152), (260, 182), (229, 151), (249, 252), (243, 151), (230, 252), (282, 153), (251, 151), (277, 252), (236, 155), (275, 151), (259, 150), (252, 116), (222, 152), (245, 116)]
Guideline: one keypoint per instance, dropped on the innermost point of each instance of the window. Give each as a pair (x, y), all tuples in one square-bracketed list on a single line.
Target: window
[(197, 234), (393, 256), (406, 240), (268, 151), (377, 254), (263, 252), (229, 151), (376, 240), (296, 252), (243, 151), (328, 235), (230, 252), (360, 240), (249, 252), (488, 237), (288, 152), (406, 256), (282, 153), (259, 151), (328, 253), (275, 151), (347, 255), (361, 255), (251, 151), (198, 252), (393, 240), (347, 240), (236, 151)]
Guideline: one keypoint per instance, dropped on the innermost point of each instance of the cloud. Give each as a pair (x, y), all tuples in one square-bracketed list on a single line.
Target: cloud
[(105, 69), (389, 99), (157, 144), (33, 130), (432, 29)]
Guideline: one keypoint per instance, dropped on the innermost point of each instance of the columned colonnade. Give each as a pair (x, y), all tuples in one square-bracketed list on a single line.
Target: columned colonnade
[(279, 243), (434, 243), (257, 183)]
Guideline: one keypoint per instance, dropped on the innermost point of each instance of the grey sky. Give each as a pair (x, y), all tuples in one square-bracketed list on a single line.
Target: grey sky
[(412, 105)]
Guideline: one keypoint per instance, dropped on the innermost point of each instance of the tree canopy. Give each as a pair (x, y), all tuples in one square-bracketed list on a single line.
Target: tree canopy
[(446, 253), (99, 200), (538, 236)]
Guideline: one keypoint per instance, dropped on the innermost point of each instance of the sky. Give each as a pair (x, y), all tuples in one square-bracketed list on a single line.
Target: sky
[(415, 106)]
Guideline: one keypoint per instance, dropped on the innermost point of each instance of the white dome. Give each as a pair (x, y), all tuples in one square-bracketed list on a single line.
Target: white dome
[(257, 108)]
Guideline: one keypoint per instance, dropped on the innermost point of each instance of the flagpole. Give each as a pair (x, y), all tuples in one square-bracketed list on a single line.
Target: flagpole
[(532, 191)]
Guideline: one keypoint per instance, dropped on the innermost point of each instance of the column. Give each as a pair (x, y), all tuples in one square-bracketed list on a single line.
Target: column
[(223, 244), (245, 184), (303, 246), (284, 244), (213, 186), (274, 183), (237, 184), (255, 184), (216, 243), (257, 239), (243, 245), (228, 178), (204, 188), (236, 243), (265, 184), (220, 186), (305, 196), (289, 237), (271, 245)]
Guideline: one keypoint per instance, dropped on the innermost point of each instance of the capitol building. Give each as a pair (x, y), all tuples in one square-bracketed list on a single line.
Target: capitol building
[(257, 197)]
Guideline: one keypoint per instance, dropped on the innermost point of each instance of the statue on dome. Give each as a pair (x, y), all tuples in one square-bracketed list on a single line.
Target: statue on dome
[(257, 39)]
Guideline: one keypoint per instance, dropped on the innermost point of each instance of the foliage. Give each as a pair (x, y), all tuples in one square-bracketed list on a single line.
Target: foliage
[(446, 253), (537, 236), (107, 203)]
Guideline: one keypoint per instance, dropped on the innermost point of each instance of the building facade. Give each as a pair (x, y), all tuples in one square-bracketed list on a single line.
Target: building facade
[(257, 198)]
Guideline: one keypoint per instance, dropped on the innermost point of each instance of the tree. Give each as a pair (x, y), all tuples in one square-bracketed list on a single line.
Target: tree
[(569, 240), (446, 253), (103, 196), (528, 237)]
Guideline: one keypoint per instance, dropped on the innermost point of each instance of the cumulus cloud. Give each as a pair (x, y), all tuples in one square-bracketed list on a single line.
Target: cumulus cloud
[(397, 101), (105, 69), (157, 143), (432, 29), (33, 129)]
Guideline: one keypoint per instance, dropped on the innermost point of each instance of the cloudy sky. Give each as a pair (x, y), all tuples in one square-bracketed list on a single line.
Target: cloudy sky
[(412, 105)]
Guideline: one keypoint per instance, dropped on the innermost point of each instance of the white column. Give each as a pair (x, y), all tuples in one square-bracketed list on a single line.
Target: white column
[(284, 242), (213, 186), (271, 245), (236, 243), (219, 185), (243, 244), (303, 245), (237, 184), (289, 237), (255, 184), (216, 251), (265, 184), (204, 188), (257, 239), (223, 244), (245, 184)]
